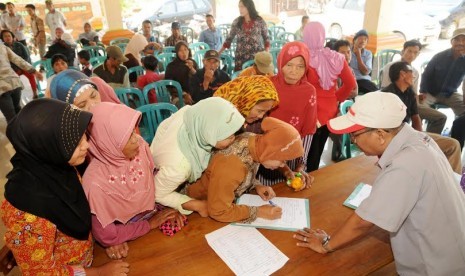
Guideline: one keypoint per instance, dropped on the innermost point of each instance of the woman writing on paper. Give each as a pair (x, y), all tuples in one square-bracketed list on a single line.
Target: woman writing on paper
[(231, 172)]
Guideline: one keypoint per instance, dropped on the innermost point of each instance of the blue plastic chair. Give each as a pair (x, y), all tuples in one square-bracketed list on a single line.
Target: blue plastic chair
[(152, 116), (235, 74), (277, 44), (248, 64), (95, 51), (162, 91), (139, 70), (131, 97), (382, 58), (274, 53), (228, 61), (198, 57), (165, 59), (46, 64), (274, 31), (199, 46), (168, 49), (347, 146), (188, 32), (286, 36), (96, 61)]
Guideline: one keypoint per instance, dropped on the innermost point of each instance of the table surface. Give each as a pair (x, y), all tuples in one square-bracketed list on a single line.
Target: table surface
[(188, 253)]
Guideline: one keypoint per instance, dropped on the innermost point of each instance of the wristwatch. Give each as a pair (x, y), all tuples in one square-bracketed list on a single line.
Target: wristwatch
[(325, 244)]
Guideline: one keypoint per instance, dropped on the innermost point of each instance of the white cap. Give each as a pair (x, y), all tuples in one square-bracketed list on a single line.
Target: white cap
[(373, 110)]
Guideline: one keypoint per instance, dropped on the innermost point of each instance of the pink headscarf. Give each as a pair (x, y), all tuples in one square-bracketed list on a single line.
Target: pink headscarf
[(117, 188), (107, 94), (327, 63)]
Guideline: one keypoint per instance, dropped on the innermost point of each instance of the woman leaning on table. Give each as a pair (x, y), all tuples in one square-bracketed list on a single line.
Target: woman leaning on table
[(45, 210), (231, 172)]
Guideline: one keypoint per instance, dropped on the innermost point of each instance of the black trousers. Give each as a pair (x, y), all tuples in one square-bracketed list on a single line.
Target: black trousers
[(458, 130), (316, 148), (10, 103), (365, 86)]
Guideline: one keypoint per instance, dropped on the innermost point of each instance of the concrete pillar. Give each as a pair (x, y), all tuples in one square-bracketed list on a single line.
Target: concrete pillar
[(112, 12), (378, 20)]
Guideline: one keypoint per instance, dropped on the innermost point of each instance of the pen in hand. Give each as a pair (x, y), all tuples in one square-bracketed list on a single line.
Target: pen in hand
[(272, 203)]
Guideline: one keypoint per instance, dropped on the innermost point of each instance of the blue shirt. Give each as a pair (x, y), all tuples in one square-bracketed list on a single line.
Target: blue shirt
[(443, 75), (214, 39), (367, 58)]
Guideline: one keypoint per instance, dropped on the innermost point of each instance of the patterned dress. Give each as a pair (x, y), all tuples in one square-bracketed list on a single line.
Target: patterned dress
[(40, 248), (251, 38)]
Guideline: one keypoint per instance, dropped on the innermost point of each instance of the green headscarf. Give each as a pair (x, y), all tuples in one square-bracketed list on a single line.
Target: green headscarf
[(204, 124)]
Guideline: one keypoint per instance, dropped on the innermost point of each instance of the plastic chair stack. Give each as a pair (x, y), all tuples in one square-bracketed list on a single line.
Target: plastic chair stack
[(152, 116)]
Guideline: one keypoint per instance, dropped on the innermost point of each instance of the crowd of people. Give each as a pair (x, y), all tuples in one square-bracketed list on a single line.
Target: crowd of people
[(82, 172)]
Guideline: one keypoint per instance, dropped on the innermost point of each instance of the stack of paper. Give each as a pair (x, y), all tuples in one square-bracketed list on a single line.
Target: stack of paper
[(246, 251), (361, 192)]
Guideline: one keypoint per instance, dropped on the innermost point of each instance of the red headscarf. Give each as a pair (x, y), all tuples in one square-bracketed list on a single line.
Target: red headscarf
[(297, 104)]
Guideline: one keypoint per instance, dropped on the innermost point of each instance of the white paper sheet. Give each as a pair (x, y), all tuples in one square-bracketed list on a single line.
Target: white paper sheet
[(363, 193), (246, 251), (296, 213)]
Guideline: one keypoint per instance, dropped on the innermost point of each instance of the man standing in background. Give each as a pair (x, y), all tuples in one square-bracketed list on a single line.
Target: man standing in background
[(38, 29), (14, 22), (54, 19), (212, 36)]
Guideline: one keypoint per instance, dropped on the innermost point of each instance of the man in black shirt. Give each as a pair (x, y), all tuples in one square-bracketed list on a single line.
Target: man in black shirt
[(208, 79), (401, 77)]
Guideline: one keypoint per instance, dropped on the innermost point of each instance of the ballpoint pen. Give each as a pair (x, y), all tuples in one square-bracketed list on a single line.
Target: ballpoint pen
[(272, 203)]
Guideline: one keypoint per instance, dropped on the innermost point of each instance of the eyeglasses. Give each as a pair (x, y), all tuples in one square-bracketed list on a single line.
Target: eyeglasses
[(354, 136)]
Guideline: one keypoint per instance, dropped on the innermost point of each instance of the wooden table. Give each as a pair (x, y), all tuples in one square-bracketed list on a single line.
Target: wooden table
[(187, 252)]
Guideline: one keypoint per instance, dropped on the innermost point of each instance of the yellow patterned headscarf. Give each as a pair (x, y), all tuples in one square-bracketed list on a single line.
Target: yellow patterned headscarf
[(246, 92)]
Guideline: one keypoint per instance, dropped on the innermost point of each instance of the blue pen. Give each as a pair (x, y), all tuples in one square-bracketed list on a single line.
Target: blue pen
[(272, 203)]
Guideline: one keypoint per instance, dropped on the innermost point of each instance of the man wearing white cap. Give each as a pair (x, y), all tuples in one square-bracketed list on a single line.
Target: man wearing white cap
[(415, 196)]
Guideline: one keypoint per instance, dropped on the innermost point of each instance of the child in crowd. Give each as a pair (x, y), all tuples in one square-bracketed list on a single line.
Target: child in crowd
[(84, 58), (150, 64), (59, 64), (231, 172)]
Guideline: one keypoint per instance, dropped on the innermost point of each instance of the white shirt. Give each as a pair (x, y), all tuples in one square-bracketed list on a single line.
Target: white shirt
[(13, 23), (173, 167), (417, 199), (55, 20)]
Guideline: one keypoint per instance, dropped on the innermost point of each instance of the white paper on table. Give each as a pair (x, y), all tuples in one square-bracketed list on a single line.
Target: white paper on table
[(295, 216), (363, 193), (246, 251)]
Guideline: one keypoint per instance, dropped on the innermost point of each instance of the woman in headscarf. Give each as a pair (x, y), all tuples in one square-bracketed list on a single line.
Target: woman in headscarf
[(183, 145), (253, 96), (231, 172), (74, 87), (88, 37), (326, 66), (297, 106), (135, 46), (182, 67), (119, 181), (45, 210), (18, 48)]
